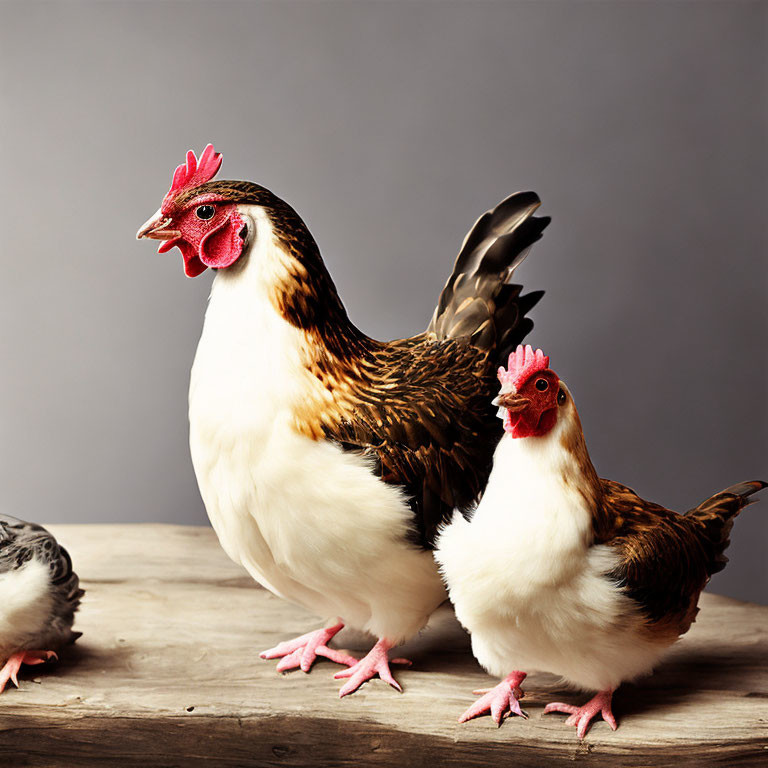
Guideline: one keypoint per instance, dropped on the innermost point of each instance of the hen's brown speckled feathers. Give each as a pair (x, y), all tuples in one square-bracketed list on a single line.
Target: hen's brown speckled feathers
[(418, 407), (422, 407), (666, 559), (422, 413)]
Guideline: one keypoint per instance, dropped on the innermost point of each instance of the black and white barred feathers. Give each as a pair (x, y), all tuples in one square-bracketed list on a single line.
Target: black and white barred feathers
[(39, 591)]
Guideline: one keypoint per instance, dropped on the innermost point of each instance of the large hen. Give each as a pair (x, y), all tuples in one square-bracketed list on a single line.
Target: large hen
[(326, 459)]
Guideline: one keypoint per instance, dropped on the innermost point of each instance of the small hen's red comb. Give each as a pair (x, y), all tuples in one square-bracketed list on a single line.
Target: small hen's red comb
[(522, 364), (194, 172)]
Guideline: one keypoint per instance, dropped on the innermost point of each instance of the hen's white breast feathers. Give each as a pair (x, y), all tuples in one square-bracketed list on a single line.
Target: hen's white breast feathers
[(309, 521)]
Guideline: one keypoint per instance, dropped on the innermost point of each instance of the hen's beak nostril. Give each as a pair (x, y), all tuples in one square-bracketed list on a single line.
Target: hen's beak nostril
[(157, 228), (512, 402)]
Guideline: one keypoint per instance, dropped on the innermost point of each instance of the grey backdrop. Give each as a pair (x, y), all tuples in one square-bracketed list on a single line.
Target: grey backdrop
[(390, 127)]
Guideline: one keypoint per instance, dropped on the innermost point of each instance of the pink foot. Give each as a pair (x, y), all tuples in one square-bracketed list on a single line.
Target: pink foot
[(303, 651), (581, 717), (375, 663), (498, 700), (15, 660)]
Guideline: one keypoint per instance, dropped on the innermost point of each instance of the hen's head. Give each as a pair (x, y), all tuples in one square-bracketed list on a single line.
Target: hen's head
[(200, 216), (531, 394)]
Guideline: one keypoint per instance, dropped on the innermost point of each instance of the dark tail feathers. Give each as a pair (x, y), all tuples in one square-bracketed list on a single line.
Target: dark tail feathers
[(478, 302), (713, 519)]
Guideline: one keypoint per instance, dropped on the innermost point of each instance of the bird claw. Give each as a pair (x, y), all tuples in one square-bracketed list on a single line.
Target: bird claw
[(581, 717), (39, 657), (376, 662), (13, 664), (302, 652), (497, 700)]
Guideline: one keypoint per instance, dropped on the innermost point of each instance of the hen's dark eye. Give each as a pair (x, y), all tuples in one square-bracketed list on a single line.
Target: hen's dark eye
[(561, 397), (205, 212), (542, 385)]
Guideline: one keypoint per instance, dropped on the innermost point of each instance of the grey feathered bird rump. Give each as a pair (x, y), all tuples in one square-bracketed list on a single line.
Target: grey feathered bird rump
[(39, 591)]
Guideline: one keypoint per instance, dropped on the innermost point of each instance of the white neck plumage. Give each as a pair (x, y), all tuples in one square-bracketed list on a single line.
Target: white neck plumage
[(256, 272), (247, 352), (543, 473), (558, 453)]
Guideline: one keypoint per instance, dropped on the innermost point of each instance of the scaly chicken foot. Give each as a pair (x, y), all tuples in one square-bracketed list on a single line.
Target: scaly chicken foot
[(581, 717), (499, 699), (12, 666), (376, 662), (302, 652)]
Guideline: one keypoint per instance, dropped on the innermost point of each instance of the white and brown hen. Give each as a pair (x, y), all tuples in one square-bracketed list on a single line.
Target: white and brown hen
[(327, 459), (560, 571)]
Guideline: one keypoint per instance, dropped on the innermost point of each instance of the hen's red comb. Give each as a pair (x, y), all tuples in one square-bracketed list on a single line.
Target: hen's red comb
[(194, 172), (522, 364)]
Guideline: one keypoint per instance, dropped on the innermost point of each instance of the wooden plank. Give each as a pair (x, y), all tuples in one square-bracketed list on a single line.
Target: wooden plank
[(167, 673)]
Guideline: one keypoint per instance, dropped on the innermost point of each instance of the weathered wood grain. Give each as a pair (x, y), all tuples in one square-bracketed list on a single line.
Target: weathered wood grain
[(167, 673)]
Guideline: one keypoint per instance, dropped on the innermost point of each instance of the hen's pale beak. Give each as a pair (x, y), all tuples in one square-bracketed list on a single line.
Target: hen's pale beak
[(157, 228), (513, 402)]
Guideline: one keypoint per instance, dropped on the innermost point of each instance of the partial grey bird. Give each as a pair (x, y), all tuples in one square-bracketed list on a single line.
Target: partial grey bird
[(39, 595)]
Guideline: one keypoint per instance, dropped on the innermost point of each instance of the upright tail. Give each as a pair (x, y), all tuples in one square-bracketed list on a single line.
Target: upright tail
[(713, 519), (478, 302)]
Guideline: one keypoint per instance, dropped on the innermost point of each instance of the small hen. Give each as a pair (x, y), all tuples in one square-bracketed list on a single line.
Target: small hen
[(39, 595), (560, 571)]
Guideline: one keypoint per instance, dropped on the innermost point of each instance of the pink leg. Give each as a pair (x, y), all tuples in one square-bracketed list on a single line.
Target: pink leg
[(581, 717), (11, 668), (375, 663), (303, 651), (498, 700)]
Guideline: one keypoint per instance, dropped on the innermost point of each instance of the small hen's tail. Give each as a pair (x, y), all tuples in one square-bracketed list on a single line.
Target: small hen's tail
[(478, 302), (713, 519)]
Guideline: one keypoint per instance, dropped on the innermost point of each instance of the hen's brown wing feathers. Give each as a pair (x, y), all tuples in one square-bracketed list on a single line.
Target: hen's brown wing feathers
[(713, 519), (422, 406), (666, 559), (428, 422)]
